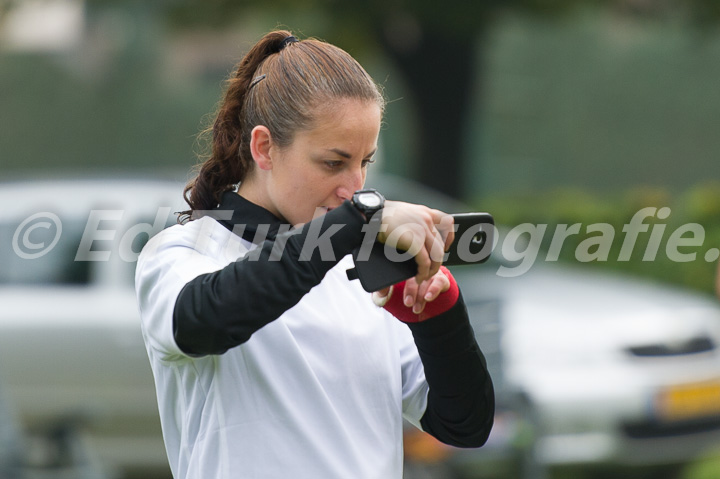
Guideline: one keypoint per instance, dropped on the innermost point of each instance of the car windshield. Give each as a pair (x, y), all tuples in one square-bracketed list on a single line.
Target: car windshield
[(28, 257)]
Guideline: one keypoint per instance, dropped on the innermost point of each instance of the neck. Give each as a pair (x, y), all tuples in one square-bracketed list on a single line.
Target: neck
[(251, 189)]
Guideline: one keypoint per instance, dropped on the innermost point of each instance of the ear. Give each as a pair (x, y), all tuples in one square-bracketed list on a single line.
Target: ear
[(261, 146)]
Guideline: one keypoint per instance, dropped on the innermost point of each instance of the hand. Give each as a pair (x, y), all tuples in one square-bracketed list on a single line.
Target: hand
[(416, 295), (413, 302), (424, 232)]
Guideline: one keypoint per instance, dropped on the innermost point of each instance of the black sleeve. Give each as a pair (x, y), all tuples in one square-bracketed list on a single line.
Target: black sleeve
[(217, 311), (461, 400)]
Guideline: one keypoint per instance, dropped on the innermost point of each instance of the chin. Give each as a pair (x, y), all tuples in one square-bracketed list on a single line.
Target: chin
[(320, 211)]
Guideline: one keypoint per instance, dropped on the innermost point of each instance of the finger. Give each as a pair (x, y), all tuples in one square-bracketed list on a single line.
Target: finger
[(424, 262), (434, 247), (421, 293), (382, 296), (438, 251), (439, 284), (408, 237), (384, 293), (430, 290), (446, 227), (411, 239), (423, 266), (410, 292)]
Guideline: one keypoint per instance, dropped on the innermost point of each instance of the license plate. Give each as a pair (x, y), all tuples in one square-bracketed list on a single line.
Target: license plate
[(687, 401)]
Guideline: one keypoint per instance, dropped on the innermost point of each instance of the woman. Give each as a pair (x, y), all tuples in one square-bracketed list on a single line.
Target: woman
[(269, 362)]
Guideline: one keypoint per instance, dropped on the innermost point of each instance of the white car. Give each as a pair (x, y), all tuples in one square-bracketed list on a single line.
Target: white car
[(605, 369), (71, 350)]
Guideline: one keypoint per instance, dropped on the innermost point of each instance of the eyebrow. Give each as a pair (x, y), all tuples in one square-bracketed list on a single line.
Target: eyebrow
[(347, 155)]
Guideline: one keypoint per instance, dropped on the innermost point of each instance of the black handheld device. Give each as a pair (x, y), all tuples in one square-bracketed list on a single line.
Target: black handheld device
[(381, 266)]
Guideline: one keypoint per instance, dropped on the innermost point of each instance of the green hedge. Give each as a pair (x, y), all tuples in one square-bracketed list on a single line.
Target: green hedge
[(688, 215)]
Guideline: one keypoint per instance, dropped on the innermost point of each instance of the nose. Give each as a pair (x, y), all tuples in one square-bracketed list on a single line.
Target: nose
[(352, 181)]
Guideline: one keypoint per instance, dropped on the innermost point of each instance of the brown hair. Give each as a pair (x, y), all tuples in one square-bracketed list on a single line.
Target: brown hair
[(279, 83)]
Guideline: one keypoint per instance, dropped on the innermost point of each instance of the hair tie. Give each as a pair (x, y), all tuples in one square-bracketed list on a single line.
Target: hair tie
[(287, 41), (256, 80)]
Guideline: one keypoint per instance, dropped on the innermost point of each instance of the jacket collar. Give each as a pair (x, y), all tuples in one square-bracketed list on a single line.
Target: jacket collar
[(247, 218)]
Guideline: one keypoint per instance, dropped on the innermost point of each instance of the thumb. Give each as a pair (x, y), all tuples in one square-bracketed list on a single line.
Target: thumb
[(381, 297)]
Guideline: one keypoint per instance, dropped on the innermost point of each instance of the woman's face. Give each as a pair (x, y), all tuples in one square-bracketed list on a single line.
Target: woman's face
[(323, 166)]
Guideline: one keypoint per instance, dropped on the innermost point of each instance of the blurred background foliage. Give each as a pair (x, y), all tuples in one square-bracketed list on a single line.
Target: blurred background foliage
[(541, 111), (562, 207)]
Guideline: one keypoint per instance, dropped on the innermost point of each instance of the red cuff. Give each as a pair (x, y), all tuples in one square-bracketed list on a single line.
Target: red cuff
[(442, 303)]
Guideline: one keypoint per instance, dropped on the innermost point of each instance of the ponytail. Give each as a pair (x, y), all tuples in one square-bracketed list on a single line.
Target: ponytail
[(229, 160), (276, 84)]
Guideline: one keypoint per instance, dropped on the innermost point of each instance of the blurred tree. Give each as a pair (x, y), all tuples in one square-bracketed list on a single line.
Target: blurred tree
[(436, 47)]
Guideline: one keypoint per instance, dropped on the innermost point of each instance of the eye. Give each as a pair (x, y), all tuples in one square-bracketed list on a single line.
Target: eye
[(367, 162), (333, 164)]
